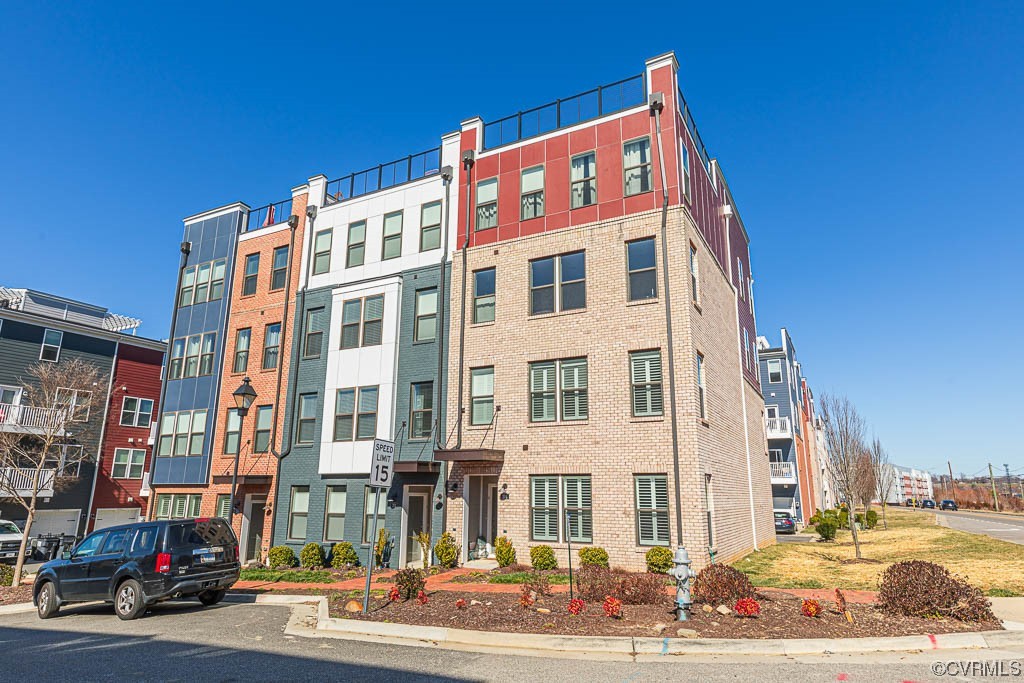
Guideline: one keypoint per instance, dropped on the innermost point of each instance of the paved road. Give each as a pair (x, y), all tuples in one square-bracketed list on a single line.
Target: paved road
[(1004, 527), (243, 642)]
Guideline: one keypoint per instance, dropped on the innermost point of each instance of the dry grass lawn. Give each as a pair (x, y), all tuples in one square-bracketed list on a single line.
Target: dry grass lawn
[(996, 566)]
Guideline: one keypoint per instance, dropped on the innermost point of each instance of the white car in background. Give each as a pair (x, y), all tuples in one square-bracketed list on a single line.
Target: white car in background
[(10, 541)]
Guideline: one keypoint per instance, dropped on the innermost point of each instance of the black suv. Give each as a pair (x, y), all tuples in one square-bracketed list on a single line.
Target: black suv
[(136, 565), (949, 505)]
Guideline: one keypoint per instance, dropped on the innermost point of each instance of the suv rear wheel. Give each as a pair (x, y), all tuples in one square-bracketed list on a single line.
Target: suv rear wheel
[(211, 597), (128, 601), (46, 601)]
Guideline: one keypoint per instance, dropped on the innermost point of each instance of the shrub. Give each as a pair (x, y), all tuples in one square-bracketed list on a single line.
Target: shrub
[(840, 601), (312, 556), (826, 528), (447, 551), (343, 555), (6, 575), (593, 583), (810, 608), (832, 514), (537, 584), (504, 552), (642, 589), (747, 607), (393, 594), (719, 584), (381, 546), (924, 589), (460, 603), (543, 557), (612, 607), (593, 557), (409, 582), (527, 597), (871, 519), (422, 598), (281, 556), (659, 560), (577, 607), (843, 519), (423, 539), (815, 519)]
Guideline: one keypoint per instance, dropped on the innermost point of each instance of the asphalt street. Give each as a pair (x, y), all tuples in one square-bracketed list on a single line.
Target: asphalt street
[(182, 641), (1004, 527)]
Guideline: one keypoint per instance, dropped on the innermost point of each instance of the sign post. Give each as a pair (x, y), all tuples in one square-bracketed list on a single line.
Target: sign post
[(382, 468)]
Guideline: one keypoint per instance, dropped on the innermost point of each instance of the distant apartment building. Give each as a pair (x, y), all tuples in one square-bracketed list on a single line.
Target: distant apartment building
[(99, 471), (910, 484)]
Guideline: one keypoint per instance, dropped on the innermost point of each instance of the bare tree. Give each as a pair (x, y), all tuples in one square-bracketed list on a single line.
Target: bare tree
[(867, 482), (844, 439), (43, 441), (885, 476)]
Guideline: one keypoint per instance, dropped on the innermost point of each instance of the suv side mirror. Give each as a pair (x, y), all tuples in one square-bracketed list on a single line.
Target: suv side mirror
[(66, 555)]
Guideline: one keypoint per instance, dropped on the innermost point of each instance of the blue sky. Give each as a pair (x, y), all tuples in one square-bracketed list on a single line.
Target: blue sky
[(874, 151)]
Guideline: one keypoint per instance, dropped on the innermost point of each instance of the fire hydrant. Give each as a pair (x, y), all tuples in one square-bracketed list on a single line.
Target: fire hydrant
[(682, 573)]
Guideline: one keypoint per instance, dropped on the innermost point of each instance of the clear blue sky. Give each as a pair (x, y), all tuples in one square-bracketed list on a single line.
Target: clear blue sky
[(874, 150)]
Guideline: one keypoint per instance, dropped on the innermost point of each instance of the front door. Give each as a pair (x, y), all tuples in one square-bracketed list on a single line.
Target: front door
[(417, 522), (254, 534)]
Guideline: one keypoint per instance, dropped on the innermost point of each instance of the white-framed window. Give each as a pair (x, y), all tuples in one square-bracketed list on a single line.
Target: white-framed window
[(483, 295), (425, 315), (261, 437), (741, 278), (392, 244), (316, 323), (202, 290), (637, 173), (684, 155), (251, 275), (421, 410), (355, 414), (702, 407), (382, 504), (65, 460), (279, 268), (487, 204), (558, 283), (641, 269), (646, 383), (241, 360), (188, 287), (694, 275), (356, 250), (178, 505), (651, 509), (206, 354), (298, 513), (322, 251), (771, 412), (128, 463), (307, 419), (775, 371), (271, 346), (334, 514), (561, 507), (430, 226), (481, 391), (558, 389), (232, 432), (775, 455), (77, 403), (583, 180), (746, 348), (136, 412), (223, 506), (10, 395), (50, 350), (182, 433), (362, 322), (531, 193)]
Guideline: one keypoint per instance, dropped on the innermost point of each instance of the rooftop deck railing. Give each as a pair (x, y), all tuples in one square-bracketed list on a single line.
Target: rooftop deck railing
[(601, 101), (383, 176), (269, 215), (691, 125)]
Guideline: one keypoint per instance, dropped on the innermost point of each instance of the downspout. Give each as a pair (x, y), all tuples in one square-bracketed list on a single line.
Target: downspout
[(657, 103), (468, 159), (447, 173), (186, 249), (103, 432), (293, 223)]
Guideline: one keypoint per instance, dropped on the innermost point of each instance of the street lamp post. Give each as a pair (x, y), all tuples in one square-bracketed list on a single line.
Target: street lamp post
[(244, 396)]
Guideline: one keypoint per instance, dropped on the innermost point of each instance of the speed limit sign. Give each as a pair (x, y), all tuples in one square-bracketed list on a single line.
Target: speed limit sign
[(382, 464)]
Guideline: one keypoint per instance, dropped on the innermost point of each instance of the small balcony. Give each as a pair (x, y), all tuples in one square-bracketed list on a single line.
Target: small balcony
[(17, 481), (30, 419), (778, 428), (782, 472)]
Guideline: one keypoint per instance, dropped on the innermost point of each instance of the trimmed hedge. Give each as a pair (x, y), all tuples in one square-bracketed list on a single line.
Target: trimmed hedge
[(447, 551), (543, 557), (312, 556), (593, 557), (504, 551), (659, 560), (281, 556), (344, 555)]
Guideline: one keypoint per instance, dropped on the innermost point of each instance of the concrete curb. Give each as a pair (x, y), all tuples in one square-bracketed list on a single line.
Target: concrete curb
[(17, 608)]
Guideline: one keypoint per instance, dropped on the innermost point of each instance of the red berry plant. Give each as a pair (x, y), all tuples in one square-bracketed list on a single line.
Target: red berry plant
[(421, 598), (747, 607), (612, 607), (527, 598), (810, 608), (577, 607), (393, 594), (460, 604)]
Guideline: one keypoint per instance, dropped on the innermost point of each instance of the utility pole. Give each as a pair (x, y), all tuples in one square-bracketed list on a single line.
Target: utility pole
[(992, 481), (1009, 484), (952, 483)]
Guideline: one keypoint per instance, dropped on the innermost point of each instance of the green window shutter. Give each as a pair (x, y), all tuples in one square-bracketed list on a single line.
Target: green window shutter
[(645, 371), (544, 503), (542, 392), (179, 507), (223, 506), (652, 509), (575, 404), (163, 506), (578, 503), (194, 501)]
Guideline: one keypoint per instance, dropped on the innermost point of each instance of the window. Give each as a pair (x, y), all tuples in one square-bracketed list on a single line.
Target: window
[(547, 515), (544, 509), (636, 166), (188, 286), (344, 414), (775, 371), (128, 463), (178, 505), (483, 296), (531, 196), (702, 408), (177, 358), (264, 418), (430, 226), (425, 328), (583, 180), (643, 275), (307, 418), (298, 512), (91, 545), (322, 251), (206, 354), (651, 509), (366, 419), (694, 275), (487, 204), (271, 345), (76, 402), (577, 511), (351, 314), (279, 269), (684, 154), (356, 244), (746, 348), (392, 247), (136, 412), (52, 339), (241, 361), (558, 388), (252, 271), (481, 390), (646, 387), (558, 283), (9, 395), (232, 432), (739, 271), (182, 433), (334, 520), (373, 320), (223, 506), (316, 321), (771, 412), (66, 460), (421, 408), (217, 280), (382, 501), (192, 345), (202, 283), (114, 545)]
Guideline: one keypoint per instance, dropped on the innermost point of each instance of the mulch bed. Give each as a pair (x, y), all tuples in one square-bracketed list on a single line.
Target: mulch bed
[(780, 618), (11, 595)]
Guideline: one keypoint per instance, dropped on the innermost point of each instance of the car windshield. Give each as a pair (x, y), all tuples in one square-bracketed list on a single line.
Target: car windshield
[(781, 515), (8, 528)]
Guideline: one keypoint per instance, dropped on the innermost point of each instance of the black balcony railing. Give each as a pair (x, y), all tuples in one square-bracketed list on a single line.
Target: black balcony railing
[(412, 167), (268, 215), (602, 100), (691, 125)]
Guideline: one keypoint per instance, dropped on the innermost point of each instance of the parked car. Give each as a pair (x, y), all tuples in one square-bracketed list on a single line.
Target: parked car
[(928, 503), (10, 542), (784, 523), (948, 505), (136, 565)]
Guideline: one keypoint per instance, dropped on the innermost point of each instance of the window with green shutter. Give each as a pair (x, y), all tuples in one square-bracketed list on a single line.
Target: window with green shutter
[(223, 505), (559, 388), (652, 509), (163, 506), (542, 392), (179, 507), (574, 389), (645, 376), (579, 516), (544, 508)]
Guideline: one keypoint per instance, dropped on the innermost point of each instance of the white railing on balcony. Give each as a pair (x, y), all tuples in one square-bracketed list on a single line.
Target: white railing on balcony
[(777, 427), (18, 481), (30, 418), (782, 471)]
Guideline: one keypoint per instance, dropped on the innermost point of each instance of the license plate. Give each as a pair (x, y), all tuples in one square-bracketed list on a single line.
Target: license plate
[(205, 559), (8, 554), (216, 549)]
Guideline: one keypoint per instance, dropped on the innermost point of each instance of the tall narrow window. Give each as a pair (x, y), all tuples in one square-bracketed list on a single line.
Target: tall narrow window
[(206, 354), (425, 315), (174, 368), (368, 499), (271, 346), (223, 506), (579, 516), (636, 166), (298, 512), (264, 418), (232, 432), (316, 321), (392, 247), (643, 274), (188, 286), (651, 509), (307, 419), (421, 410), (373, 320), (646, 383), (181, 427), (322, 251), (542, 286), (356, 244), (135, 412), (740, 277), (481, 387), (202, 283), (542, 392), (217, 280), (279, 269), (775, 371), (531, 196), (52, 340), (544, 509), (334, 520), (366, 419), (192, 345), (487, 204), (746, 348), (483, 295), (252, 272), (575, 400), (684, 154), (430, 226), (572, 281), (702, 408), (197, 435), (694, 274), (351, 316), (583, 179), (241, 360), (344, 414), (76, 402)]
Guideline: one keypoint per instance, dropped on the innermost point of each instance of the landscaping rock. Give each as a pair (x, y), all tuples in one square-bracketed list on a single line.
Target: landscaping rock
[(474, 601), (353, 606), (708, 609), (723, 610), (687, 633), (544, 610)]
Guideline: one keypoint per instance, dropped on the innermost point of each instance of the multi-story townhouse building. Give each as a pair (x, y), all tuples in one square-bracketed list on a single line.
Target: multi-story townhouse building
[(603, 383), (97, 477), (911, 484), (371, 331), (809, 425)]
